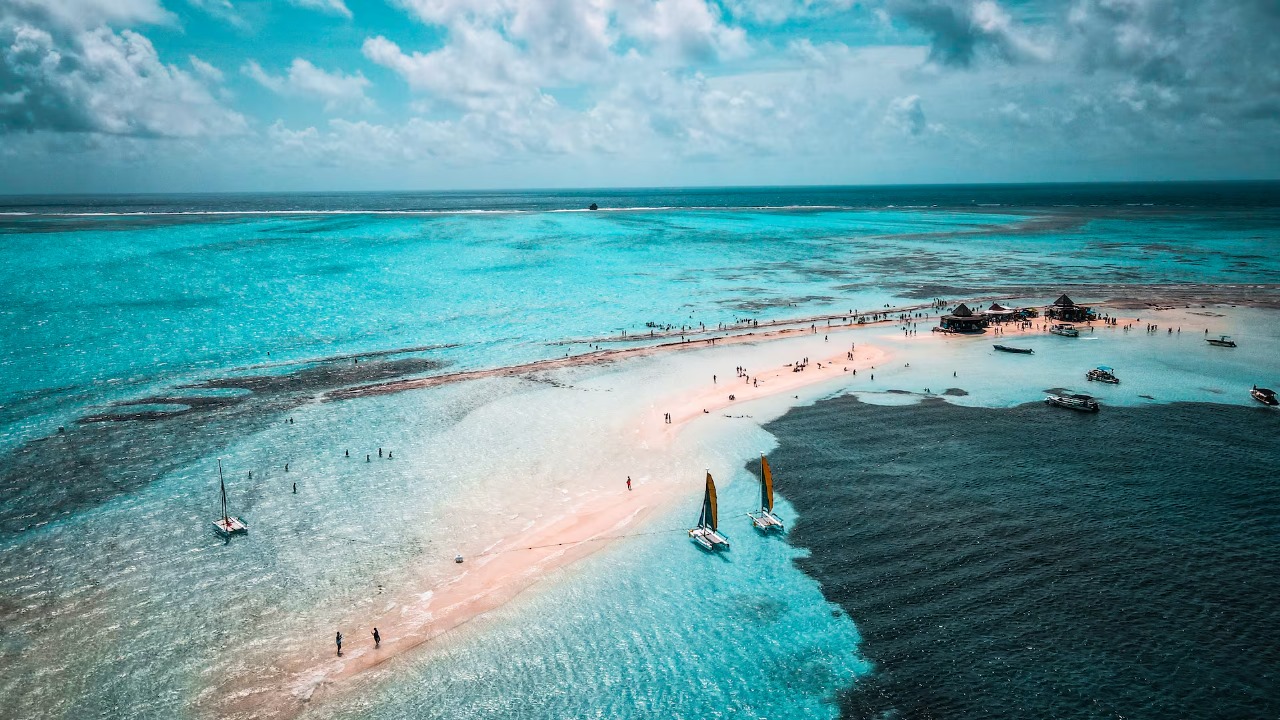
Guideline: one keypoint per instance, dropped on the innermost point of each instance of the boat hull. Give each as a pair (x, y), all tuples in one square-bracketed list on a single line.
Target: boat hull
[(1072, 404), (1019, 351), (1268, 399), (765, 521), (708, 539), (230, 526)]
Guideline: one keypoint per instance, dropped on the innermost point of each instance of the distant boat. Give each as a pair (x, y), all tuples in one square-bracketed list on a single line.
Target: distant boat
[(765, 520), (1224, 341), (1264, 396), (705, 534), (1102, 373), (1083, 403), (1006, 348), (1065, 330), (227, 525)]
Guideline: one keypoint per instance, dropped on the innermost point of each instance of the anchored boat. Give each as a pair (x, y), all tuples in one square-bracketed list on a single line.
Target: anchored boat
[(1223, 341), (227, 525), (1065, 330), (1264, 396), (1102, 373), (705, 534), (1006, 348), (1083, 403), (765, 520)]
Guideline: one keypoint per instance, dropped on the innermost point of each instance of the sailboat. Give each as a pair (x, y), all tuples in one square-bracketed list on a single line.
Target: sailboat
[(765, 520), (705, 534), (227, 525)]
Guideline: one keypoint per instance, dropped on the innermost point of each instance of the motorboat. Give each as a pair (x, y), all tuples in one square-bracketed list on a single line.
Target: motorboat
[(1102, 373), (1264, 396), (1006, 348), (1222, 341), (1065, 330), (1083, 403)]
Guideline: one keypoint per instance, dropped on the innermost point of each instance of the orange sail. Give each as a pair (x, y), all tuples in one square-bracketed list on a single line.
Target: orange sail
[(709, 512), (766, 484)]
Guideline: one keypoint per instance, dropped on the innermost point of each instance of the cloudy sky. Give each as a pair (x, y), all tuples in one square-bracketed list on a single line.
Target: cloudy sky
[(191, 95)]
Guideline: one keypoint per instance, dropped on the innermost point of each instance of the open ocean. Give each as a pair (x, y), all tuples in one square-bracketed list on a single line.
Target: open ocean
[(974, 558)]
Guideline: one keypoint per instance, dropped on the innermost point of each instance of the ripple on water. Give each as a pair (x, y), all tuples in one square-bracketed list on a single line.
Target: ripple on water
[(1059, 565)]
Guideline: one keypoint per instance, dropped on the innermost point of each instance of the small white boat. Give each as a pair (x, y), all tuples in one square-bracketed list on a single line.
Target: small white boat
[(765, 520), (1083, 403), (705, 534), (1065, 330), (227, 525), (1223, 341)]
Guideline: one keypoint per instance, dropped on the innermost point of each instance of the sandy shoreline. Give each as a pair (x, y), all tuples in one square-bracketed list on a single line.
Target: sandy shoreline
[(514, 562)]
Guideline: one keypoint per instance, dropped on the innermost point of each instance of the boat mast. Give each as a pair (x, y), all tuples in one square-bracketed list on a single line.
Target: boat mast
[(226, 522)]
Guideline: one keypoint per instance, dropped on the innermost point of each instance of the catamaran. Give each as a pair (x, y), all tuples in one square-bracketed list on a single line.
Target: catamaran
[(765, 520), (227, 525), (705, 534)]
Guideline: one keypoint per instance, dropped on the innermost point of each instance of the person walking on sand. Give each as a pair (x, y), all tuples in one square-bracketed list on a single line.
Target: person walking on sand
[(377, 639), (338, 639), (628, 483)]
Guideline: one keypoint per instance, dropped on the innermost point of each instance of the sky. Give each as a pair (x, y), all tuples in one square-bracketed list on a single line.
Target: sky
[(283, 95)]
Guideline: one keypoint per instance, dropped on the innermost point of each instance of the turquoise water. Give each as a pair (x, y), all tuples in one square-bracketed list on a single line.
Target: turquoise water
[(116, 601)]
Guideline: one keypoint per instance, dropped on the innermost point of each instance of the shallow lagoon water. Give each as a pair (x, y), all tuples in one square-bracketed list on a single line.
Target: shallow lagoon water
[(99, 310)]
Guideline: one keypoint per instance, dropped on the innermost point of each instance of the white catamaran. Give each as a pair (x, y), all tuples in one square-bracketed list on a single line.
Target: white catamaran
[(705, 534), (765, 520), (227, 525)]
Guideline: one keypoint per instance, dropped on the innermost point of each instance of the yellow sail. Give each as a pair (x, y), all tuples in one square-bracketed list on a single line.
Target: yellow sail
[(712, 514), (766, 484)]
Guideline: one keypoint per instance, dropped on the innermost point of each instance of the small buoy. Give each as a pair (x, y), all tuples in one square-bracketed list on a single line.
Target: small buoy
[(457, 559)]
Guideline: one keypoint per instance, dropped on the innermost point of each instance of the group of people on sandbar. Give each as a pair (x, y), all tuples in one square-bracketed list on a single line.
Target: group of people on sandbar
[(377, 637)]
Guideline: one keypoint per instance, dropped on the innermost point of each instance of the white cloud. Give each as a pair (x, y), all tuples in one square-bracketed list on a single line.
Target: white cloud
[(102, 81), (210, 73), (333, 7), (84, 14), (495, 70), (962, 29), (687, 30), (905, 115), (778, 11), (338, 90), (220, 9)]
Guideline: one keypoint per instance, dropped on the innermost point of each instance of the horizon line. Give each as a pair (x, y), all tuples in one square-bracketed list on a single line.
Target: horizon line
[(632, 188)]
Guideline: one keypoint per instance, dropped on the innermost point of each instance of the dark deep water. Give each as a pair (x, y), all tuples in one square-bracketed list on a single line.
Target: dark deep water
[(1031, 562)]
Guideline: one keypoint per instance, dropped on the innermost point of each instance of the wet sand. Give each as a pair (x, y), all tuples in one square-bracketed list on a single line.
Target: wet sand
[(516, 561), (513, 563)]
